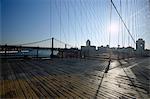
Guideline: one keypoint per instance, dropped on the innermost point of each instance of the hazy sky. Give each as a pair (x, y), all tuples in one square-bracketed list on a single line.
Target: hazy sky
[(74, 21)]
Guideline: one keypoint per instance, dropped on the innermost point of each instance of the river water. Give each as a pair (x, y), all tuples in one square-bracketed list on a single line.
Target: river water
[(30, 53)]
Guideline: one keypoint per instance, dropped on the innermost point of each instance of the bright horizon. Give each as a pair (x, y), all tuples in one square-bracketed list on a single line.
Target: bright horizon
[(74, 21)]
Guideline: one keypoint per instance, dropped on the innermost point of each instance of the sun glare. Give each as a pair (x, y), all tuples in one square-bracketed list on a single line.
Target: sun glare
[(113, 28)]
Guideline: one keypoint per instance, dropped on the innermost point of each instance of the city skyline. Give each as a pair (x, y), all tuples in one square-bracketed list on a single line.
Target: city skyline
[(74, 21)]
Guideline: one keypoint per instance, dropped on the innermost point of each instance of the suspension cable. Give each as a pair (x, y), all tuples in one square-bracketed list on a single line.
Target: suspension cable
[(36, 42), (63, 42), (122, 21), (110, 30)]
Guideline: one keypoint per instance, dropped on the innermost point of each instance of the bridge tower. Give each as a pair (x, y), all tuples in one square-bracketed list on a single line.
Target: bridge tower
[(52, 49)]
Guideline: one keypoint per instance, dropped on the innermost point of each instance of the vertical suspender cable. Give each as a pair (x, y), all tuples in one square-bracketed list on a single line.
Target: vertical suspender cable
[(133, 32), (128, 22), (135, 21), (82, 39), (68, 19), (119, 32), (110, 30), (121, 28), (120, 25), (50, 21), (122, 21), (60, 18), (65, 14), (75, 24)]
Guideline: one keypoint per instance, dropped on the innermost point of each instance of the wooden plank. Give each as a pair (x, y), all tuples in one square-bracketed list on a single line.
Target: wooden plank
[(61, 87), (22, 83), (62, 83), (37, 83), (15, 87), (30, 83), (58, 91), (9, 85)]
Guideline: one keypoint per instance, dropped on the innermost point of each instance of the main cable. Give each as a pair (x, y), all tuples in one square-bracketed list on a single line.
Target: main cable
[(122, 21), (36, 42)]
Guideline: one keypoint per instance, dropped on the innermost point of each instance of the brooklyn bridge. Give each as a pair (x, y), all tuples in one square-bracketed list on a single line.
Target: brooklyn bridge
[(86, 53)]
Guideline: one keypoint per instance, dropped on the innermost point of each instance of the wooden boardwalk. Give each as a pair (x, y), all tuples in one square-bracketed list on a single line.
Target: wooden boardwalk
[(75, 78)]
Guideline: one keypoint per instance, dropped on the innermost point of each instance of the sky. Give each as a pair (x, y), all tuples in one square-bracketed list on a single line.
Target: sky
[(74, 21)]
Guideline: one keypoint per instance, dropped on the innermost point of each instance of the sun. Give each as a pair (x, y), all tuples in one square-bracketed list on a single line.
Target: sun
[(113, 28)]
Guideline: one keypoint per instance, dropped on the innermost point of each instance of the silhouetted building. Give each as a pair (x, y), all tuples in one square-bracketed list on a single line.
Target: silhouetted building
[(69, 53), (147, 52), (88, 43), (140, 47), (103, 49), (88, 50), (130, 51)]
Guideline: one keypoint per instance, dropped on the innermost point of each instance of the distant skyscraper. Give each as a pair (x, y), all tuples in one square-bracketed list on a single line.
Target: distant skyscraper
[(140, 46)]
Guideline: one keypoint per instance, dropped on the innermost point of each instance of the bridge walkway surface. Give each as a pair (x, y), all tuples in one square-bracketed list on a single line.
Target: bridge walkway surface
[(75, 78)]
